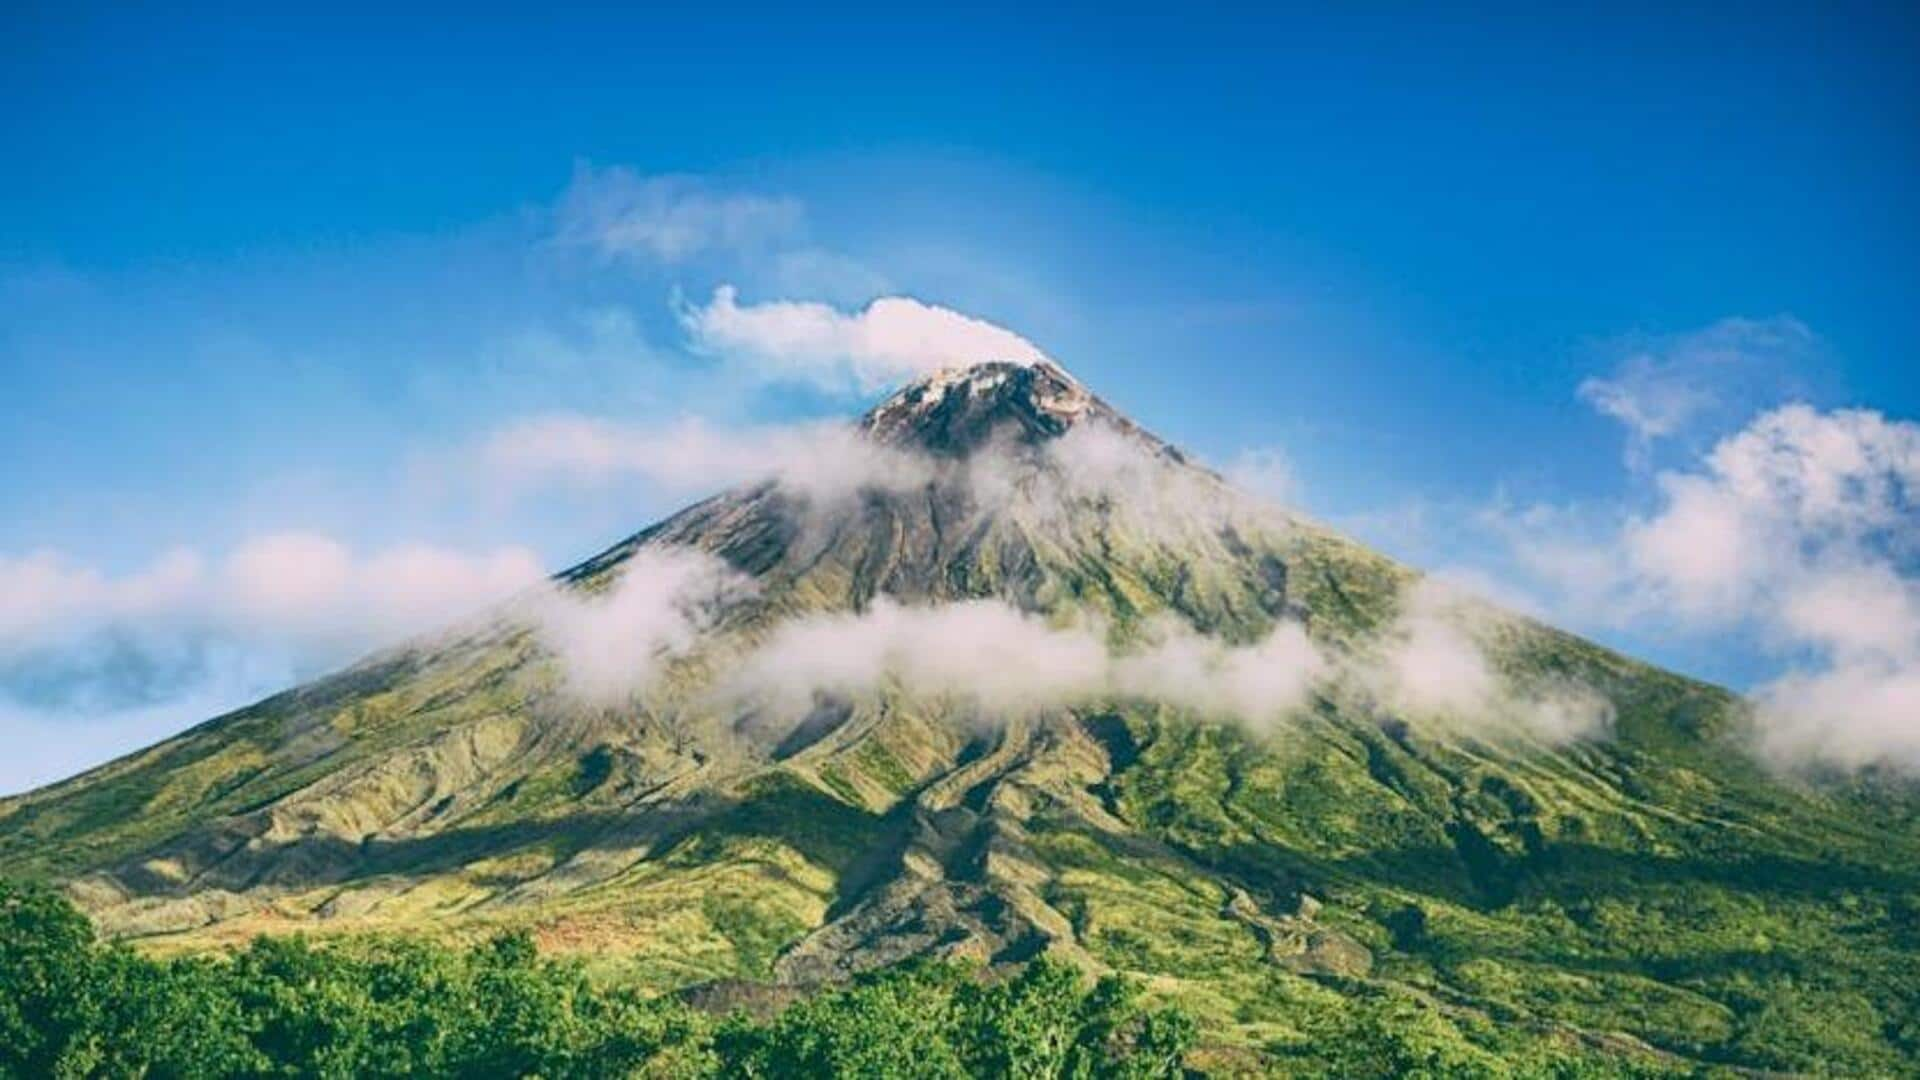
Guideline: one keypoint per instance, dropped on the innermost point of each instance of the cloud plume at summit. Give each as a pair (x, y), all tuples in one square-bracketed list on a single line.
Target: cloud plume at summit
[(889, 340)]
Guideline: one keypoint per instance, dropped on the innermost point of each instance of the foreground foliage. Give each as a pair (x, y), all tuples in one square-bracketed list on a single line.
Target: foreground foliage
[(76, 1006)]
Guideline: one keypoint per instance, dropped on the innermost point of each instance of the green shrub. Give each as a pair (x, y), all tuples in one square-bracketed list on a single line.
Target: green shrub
[(76, 1006)]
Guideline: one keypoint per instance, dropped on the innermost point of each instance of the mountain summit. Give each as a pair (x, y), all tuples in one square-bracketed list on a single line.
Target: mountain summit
[(956, 410), (1032, 682)]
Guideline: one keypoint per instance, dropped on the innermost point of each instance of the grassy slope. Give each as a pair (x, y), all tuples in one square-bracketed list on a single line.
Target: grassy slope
[(1654, 884)]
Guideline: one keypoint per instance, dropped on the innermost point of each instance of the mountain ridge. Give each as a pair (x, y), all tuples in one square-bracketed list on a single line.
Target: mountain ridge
[(1361, 842)]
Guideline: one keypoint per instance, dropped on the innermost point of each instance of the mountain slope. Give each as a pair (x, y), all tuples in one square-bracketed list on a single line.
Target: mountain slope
[(1639, 885)]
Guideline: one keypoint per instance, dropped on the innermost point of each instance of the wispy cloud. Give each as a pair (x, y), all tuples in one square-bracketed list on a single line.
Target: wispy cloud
[(1660, 386), (1265, 472), (1431, 667), (1435, 661), (315, 587), (622, 215), (695, 456), (613, 641), (1003, 662)]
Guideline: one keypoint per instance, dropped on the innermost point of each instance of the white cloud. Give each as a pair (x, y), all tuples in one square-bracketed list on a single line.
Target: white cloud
[(621, 214), (1004, 662), (1851, 714), (891, 339), (679, 226), (1830, 505), (1840, 473), (1257, 683), (46, 596), (611, 643), (1264, 472), (1863, 611), (287, 579), (1151, 495), (1661, 386), (301, 594), (1474, 582), (1802, 529), (819, 460), (107, 661), (1001, 659), (826, 462), (1794, 497), (313, 588), (1434, 663), (1648, 400)]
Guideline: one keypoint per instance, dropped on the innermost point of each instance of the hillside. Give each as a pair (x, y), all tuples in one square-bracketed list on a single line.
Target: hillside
[(1576, 848)]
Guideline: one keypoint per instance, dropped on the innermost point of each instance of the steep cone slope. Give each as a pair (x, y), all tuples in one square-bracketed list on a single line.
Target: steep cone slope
[(1624, 877)]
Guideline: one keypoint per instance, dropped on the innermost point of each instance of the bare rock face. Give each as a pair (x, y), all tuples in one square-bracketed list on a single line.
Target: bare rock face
[(451, 786), (956, 412)]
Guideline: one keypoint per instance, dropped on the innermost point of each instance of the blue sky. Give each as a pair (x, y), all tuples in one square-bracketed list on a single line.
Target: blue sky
[(279, 276)]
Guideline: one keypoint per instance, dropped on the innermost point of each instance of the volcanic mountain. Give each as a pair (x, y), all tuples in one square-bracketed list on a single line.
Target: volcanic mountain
[(1019, 677)]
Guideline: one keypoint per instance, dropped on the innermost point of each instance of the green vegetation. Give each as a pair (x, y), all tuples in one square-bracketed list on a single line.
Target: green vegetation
[(404, 1006), (74, 1006), (1784, 940)]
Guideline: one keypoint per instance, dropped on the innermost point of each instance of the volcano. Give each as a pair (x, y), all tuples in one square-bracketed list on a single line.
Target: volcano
[(1237, 777)]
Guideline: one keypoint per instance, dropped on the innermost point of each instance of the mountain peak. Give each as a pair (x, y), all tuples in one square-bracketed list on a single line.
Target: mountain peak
[(1058, 711), (953, 411)]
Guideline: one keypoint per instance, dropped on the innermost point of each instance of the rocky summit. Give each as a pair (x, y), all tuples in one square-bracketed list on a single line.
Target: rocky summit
[(1019, 678)]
